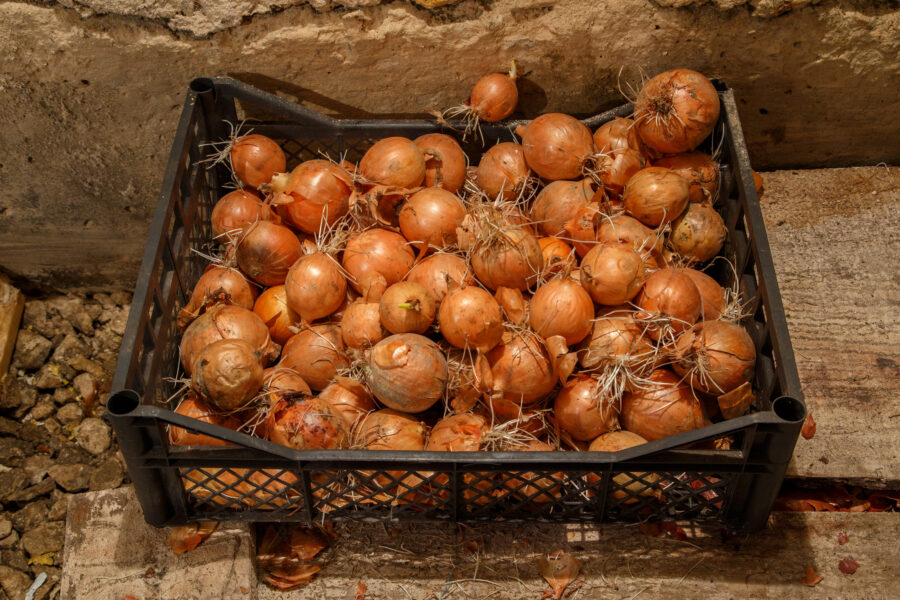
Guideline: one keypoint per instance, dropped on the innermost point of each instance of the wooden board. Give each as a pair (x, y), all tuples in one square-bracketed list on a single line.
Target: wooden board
[(423, 561), (835, 238)]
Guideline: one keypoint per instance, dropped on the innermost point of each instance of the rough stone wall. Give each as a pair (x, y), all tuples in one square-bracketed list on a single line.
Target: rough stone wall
[(90, 90)]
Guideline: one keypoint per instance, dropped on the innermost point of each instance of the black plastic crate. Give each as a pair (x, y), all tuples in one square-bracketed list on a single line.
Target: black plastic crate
[(669, 479)]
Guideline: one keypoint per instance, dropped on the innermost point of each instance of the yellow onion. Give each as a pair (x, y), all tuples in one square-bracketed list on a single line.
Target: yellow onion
[(226, 322), (559, 202), (716, 357), (663, 407), (318, 193), (701, 171), (612, 273), (227, 374), (377, 254), (361, 325), (441, 272), (395, 162), (672, 295), (469, 317), (407, 307), (430, 217), (712, 295), (581, 411), (348, 398), (446, 163), (556, 146), (407, 372), (316, 354), (272, 308), (306, 423), (502, 172), (218, 285), (522, 368), (656, 196), (631, 485), (698, 233), (562, 307), (625, 229), (512, 258)]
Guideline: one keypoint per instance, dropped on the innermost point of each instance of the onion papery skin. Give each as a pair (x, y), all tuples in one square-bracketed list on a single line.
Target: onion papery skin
[(562, 307), (407, 307), (469, 317), (666, 407), (615, 135), (617, 168), (494, 97), (361, 325), (557, 146), (580, 411), (430, 217), (656, 196), (394, 162), (315, 286), (672, 294), (631, 484), (407, 372), (522, 369), (582, 229), (218, 285), (195, 408), (559, 202), (305, 422), (511, 259), (350, 399), (712, 295), (528, 420), (616, 337), (236, 210), (699, 233), (321, 193), (612, 273), (457, 433), (226, 322), (377, 252), (502, 171), (316, 354), (446, 167), (440, 273), (272, 308), (266, 251), (724, 352), (256, 158), (701, 171), (625, 229), (676, 110), (227, 374)]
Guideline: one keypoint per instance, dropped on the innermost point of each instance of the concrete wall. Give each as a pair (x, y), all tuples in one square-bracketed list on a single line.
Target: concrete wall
[(90, 90)]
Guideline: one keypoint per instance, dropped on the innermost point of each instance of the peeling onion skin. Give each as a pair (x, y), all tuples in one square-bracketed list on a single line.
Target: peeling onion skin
[(557, 254), (666, 408), (256, 158), (315, 286), (394, 162), (676, 110), (612, 273), (469, 317), (583, 414), (701, 171), (656, 196), (446, 167), (227, 374), (698, 233), (457, 433), (494, 97), (556, 146), (316, 354), (725, 352), (226, 322), (305, 422), (407, 372)]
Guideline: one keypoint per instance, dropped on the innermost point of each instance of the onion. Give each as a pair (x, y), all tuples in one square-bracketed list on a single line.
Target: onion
[(256, 158), (615, 135), (616, 338), (622, 228), (394, 162), (494, 96), (512, 258), (671, 295), (280, 379), (665, 407), (538, 488), (318, 192), (376, 255), (699, 233), (440, 273), (712, 295), (557, 254), (556, 146), (407, 307), (429, 218), (676, 110), (272, 308), (266, 251), (315, 286), (559, 202), (716, 357), (562, 307), (361, 325), (217, 285), (227, 374), (236, 210), (615, 169), (582, 411), (457, 433), (582, 229), (631, 485), (316, 354), (389, 430), (701, 171), (226, 322), (348, 398), (469, 317), (502, 172), (446, 166), (612, 273), (407, 372), (305, 422), (195, 408), (656, 196), (276, 380), (522, 368)]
